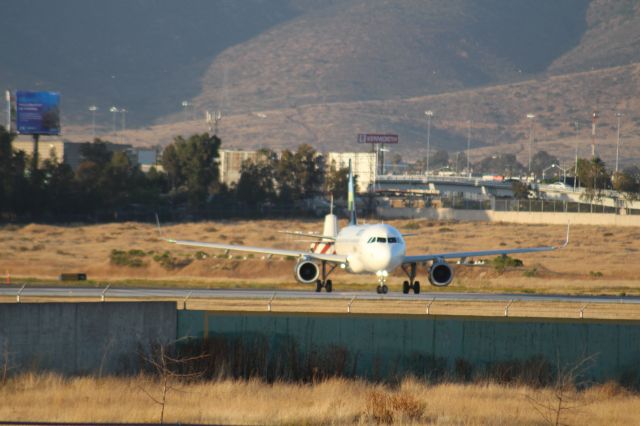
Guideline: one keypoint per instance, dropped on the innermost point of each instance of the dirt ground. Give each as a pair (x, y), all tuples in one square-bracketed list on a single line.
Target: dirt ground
[(598, 260)]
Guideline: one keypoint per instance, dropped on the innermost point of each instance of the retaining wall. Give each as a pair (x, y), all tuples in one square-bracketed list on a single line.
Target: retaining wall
[(386, 347), (83, 337), (512, 217)]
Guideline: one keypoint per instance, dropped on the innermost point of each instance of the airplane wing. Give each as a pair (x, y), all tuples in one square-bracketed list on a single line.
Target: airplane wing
[(308, 234), (333, 258), (464, 254)]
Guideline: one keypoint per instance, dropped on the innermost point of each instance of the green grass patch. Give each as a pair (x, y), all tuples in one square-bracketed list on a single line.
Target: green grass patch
[(132, 259), (502, 262), (171, 263)]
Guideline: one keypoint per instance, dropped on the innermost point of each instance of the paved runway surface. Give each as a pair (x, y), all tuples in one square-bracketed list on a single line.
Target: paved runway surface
[(181, 293)]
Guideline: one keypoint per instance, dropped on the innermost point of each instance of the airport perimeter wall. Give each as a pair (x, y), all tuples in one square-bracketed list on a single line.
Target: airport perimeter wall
[(384, 347), (549, 218), (79, 338)]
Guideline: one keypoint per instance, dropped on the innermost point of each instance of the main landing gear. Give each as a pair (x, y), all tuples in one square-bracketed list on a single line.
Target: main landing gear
[(324, 282), (411, 284)]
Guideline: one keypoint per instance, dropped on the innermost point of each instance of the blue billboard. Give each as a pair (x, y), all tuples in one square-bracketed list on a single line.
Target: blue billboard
[(37, 113)]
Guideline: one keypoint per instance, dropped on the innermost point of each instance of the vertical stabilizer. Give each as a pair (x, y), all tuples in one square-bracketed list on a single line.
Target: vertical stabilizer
[(351, 199)]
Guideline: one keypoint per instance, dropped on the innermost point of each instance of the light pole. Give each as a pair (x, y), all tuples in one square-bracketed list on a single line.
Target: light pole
[(531, 118), (575, 172), (429, 114), (124, 113), (619, 115), (186, 105), (114, 110), (93, 110), (468, 145)]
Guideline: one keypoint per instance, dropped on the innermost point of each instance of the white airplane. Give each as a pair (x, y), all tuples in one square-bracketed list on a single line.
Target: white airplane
[(365, 249)]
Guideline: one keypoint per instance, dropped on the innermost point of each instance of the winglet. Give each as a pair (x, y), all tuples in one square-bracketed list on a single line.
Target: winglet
[(566, 241), (160, 230)]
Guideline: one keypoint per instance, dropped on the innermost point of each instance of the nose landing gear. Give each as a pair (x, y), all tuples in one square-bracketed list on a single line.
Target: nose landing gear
[(411, 284), (382, 279)]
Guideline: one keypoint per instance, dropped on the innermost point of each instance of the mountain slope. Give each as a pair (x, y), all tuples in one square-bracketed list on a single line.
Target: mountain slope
[(377, 49)]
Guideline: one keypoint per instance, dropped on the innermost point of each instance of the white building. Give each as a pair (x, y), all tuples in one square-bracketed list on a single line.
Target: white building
[(231, 163), (364, 165)]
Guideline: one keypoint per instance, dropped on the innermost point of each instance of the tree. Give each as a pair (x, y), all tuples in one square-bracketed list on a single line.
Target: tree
[(627, 182), (520, 190), (501, 164), (593, 176), (257, 184), (439, 160), (336, 181), (540, 161), (192, 167)]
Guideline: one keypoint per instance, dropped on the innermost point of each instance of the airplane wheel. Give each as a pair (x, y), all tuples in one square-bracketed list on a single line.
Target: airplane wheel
[(329, 286), (378, 289), (416, 287), (318, 286), (405, 287), (385, 289)]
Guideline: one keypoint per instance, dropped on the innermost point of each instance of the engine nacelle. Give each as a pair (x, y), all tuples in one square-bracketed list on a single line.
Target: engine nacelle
[(440, 274), (306, 272)]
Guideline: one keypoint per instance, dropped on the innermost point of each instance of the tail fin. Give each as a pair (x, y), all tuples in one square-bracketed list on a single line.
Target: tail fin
[(351, 199)]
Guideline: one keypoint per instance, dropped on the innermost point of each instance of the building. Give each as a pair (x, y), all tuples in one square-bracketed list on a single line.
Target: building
[(231, 164), (363, 164), (62, 151)]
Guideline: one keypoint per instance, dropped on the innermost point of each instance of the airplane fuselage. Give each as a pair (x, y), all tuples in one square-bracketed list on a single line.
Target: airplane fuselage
[(371, 248)]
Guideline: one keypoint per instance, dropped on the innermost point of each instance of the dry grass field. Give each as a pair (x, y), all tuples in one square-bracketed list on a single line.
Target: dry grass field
[(335, 401), (599, 260)]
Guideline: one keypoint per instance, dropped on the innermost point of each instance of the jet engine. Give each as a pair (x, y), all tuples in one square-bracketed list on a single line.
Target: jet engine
[(440, 274), (306, 272)]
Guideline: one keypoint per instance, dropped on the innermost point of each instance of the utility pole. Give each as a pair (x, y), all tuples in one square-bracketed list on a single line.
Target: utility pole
[(594, 120), (123, 111), (619, 115), (468, 146), (8, 98), (429, 114), (530, 117), (93, 110), (575, 173)]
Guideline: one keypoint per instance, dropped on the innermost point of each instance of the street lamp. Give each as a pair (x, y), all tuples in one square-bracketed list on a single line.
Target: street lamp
[(186, 105), (575, 172), (124, 113), (619, 115), (468, 145), (530, 117), (429, 114), (93, 110), (114, 110)]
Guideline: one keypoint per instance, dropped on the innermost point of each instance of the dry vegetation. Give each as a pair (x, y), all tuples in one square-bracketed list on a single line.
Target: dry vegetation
[(599, 260), (335, 401)]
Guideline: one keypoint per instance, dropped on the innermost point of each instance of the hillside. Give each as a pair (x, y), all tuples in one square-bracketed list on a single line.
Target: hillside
[(364, 50), (497, 114)]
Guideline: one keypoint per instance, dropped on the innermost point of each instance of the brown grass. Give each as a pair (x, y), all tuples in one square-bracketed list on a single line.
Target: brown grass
[(608, 250), (335, 401)]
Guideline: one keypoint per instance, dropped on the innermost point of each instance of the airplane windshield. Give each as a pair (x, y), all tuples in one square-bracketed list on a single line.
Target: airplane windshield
[(393, 240), (382, 240)]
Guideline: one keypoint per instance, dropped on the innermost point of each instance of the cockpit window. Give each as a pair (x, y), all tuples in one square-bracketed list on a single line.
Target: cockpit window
[(393, 240), (372, 240), (382, 240)]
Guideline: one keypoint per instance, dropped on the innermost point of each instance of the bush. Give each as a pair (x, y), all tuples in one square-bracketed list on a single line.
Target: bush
[(132, 259), (502, 262), (169, 262), (386, 408)]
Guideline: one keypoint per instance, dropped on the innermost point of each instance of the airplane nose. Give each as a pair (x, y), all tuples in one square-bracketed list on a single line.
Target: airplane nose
[(380, 257)]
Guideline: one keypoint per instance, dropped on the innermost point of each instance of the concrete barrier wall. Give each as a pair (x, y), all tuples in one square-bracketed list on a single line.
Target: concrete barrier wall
[(82, 337), (385, 347), (512, 217)]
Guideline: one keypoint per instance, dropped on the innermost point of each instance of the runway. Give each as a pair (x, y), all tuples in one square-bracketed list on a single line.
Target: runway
[(251, 294)]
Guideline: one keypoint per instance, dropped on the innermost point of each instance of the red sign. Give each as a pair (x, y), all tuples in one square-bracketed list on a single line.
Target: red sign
[(377, 138)]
